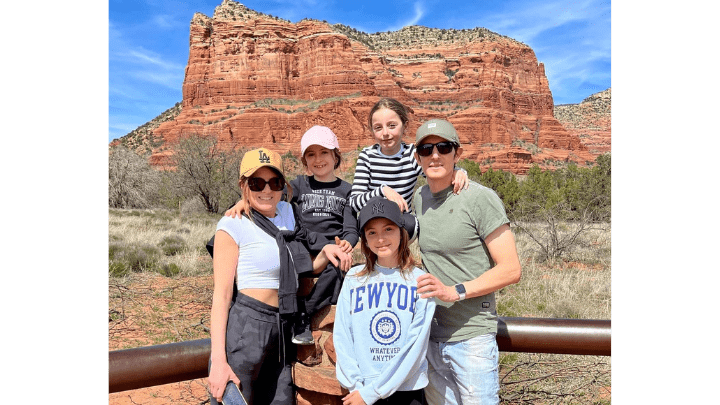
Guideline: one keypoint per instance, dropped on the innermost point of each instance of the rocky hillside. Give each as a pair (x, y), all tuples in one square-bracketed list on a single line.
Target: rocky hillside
[(254, 79), (142, 140), (590, 121)]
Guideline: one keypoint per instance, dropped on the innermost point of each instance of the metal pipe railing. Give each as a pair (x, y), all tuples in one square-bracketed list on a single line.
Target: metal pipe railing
[(156, 365), (162, 364), (553, 335)]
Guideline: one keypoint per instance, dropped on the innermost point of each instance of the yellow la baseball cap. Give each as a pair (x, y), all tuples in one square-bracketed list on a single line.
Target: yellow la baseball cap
[(257, 158)]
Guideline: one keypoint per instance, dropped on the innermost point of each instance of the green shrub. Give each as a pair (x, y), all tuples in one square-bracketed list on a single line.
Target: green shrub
[(118, 269), (172, 245), (169, 270), (113, 248), (136, 258)]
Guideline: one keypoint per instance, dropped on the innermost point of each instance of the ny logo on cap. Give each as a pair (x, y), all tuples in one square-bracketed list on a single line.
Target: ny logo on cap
[(378, 208), (264, 158)]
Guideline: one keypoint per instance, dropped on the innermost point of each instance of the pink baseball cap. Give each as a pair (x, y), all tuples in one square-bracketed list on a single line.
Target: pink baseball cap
[(318, 135)]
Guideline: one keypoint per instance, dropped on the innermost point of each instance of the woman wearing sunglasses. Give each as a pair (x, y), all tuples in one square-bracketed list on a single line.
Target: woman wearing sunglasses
[(256, 260)]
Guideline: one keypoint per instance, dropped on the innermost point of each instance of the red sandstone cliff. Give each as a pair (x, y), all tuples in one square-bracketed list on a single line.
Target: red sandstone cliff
[(256, 80)]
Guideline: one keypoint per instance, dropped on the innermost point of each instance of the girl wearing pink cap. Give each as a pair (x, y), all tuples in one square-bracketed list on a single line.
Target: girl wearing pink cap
[(326, 213)]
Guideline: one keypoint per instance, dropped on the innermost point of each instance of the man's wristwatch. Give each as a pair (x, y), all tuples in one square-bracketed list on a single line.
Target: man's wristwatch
[(461, 291)]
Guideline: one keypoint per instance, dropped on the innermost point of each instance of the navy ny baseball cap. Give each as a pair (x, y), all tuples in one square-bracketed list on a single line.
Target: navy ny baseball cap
[(381, 207)]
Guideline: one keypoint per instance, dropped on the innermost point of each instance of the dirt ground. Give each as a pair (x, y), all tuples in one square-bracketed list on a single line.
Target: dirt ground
[(186, 392), (150, 309)]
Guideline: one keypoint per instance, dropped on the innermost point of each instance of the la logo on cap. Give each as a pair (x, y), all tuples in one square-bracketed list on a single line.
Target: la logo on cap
[(264, 158), (432, 125)]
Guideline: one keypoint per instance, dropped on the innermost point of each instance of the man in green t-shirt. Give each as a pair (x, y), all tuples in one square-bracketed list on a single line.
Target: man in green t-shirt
[(469, 251)]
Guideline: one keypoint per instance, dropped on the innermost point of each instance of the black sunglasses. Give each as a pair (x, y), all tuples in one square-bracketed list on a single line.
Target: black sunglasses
[(443, 148), (258, 183)]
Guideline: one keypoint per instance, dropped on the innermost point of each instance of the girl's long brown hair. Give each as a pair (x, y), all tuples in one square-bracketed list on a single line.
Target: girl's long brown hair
[(392, 105), (405, 259), (245, 190)]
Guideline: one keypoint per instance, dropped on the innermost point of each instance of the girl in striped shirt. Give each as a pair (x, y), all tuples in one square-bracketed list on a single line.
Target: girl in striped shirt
[(389, 168)]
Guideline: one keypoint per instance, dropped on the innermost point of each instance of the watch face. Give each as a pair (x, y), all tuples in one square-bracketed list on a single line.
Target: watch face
[(460, 288)]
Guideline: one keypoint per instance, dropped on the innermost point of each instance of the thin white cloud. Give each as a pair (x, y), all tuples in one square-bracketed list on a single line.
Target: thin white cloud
[(113, 31), (141, 64), (122, 128), (138, 77), (531, 19), (122, 92), (419, 13), (140, 55), (164, 21), (569, 37), (124, 118), (172, 80)]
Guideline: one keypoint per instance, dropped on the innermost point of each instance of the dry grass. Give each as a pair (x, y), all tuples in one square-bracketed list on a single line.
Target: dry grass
[(147, 308), (578, 287), (128, 228)]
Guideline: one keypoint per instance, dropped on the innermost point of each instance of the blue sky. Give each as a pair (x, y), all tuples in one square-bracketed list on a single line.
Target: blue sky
[(149, 40)]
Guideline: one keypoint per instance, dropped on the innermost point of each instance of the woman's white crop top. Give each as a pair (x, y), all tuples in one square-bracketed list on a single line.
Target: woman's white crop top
[(258, 259)]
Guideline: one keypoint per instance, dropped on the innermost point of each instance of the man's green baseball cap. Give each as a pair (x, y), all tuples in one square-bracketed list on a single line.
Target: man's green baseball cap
[(436, 126)]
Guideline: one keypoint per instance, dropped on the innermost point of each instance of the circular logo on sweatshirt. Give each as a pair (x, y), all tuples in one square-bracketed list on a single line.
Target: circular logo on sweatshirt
[(385, 327)]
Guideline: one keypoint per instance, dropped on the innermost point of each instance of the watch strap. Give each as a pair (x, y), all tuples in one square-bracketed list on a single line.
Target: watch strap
[(460, 288)]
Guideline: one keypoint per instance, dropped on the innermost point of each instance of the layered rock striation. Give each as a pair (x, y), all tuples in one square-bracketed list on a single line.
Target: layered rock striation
[(257, 80)]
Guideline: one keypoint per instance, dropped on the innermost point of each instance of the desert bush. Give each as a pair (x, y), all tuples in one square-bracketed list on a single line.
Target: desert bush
[(169, 270), (557, 210), (134, 258), (192, 205), (575, 288), (132, 183), (505, 185), (167, 195), (118, 269), (172, 245), (573, 193), (206, 171), (114, 246)]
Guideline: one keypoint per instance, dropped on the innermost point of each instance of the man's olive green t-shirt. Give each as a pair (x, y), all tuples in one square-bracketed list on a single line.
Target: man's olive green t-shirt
[(451, 239)]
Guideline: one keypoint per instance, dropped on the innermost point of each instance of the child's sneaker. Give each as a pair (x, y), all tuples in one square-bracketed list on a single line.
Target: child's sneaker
[(301, 331)]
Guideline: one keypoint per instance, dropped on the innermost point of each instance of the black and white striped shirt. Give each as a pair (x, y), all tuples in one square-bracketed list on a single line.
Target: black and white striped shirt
[(374, 169)]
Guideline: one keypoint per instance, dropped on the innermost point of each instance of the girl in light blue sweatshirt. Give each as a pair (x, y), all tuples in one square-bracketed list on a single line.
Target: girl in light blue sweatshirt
[(382, 326)]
